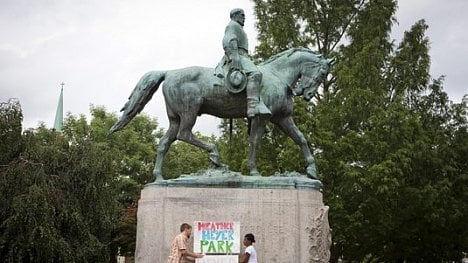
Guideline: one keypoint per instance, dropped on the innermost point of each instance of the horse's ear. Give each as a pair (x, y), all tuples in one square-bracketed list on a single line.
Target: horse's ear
[(331, 61)]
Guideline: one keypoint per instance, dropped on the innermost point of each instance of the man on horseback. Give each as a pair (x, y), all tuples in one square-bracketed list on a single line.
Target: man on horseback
[(236, 48)]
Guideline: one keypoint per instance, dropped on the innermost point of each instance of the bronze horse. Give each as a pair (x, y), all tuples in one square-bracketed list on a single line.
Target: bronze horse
[(192, 91)]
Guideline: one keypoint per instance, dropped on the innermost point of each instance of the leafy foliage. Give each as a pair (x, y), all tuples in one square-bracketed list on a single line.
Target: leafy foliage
[(57, 201), (71, 196), (10, 130), (387, 140)]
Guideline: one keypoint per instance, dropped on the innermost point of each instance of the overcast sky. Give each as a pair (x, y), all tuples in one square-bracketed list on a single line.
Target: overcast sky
[(100, 48)]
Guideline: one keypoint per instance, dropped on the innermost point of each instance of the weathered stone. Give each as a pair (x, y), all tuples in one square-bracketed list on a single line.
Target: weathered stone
[(286, 215)]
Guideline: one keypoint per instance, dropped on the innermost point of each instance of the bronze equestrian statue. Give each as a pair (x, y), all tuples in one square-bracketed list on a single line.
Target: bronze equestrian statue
[(268, 96)]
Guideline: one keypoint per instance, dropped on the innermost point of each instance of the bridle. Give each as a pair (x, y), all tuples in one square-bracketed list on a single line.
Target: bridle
[(307, 80)]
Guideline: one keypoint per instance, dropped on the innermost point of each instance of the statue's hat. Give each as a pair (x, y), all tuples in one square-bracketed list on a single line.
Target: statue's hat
[(236, 81)]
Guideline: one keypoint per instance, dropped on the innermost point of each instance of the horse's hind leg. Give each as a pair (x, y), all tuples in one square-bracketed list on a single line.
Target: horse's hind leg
[(257, 129), (185, 134), (288, 126), (164, 145)]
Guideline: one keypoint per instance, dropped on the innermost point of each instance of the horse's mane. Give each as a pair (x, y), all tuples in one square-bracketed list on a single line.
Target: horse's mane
[(288, 53)]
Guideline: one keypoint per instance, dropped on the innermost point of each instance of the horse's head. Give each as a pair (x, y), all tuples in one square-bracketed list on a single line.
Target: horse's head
[(312, 75)]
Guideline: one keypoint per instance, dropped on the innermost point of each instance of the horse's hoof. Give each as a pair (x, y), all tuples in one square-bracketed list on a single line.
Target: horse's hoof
[(312, 173), (214, 158), (159, 178), (223, 167), (213, 165), (254, 172)]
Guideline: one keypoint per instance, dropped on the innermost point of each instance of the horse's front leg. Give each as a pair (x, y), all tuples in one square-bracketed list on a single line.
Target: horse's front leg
[(288, 126), (257, 129)]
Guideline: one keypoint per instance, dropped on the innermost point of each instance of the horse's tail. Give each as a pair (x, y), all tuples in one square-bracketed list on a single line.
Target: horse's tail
[(143, 92)]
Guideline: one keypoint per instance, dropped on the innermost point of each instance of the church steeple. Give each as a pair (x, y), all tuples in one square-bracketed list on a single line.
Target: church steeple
[(59, 114)]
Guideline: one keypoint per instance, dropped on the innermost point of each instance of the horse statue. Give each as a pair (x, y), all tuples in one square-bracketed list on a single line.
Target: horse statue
[(190, 92)]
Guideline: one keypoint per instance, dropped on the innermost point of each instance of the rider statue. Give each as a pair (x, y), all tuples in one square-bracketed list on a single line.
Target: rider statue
[(236, 48)]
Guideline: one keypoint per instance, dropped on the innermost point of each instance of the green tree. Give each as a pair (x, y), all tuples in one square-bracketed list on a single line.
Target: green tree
[(133, 154), (388, 155), (11, 118), (134, 147), (58, 201), (71, 196)]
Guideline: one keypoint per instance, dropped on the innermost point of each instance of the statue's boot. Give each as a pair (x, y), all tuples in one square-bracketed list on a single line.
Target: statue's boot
[(255, 106)]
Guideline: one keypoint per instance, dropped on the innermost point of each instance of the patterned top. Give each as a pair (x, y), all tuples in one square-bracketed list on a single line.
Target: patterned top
[(179, 244)]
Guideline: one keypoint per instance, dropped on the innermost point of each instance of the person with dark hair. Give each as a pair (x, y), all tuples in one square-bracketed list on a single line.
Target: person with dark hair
[(179, 246), (249, 255)]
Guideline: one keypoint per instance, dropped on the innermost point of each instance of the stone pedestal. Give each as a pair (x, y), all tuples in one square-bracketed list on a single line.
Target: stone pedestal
[(286, 214)]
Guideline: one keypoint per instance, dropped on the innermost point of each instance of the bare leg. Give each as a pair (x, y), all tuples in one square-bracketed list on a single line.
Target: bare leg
[(256, 132), (288, 126)]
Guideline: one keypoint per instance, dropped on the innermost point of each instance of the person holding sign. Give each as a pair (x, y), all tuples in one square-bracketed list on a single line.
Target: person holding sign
[(250, 255), (179, 250)]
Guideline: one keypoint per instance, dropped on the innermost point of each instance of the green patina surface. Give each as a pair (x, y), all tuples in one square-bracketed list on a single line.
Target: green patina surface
[(223, 178)]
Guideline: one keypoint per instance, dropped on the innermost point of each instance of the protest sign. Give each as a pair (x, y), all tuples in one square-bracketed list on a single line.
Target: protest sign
[(216, 237)]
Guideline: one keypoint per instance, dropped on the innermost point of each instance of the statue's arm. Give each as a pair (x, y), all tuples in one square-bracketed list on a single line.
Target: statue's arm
[(233, 53), (231, 47)]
